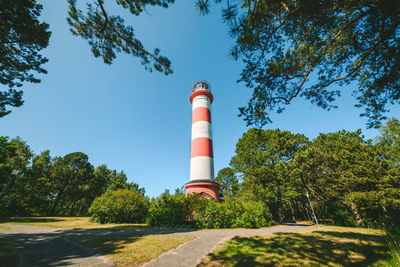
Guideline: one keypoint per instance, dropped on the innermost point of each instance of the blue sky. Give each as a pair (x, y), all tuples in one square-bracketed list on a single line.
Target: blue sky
[(140, 122)]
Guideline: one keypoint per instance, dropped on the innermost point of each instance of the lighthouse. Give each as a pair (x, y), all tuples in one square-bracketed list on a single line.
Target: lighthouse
[(202, 157)]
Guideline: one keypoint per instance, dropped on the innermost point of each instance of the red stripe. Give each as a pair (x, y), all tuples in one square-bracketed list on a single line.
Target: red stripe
[(201, 114), (202, 146), (201, 92)]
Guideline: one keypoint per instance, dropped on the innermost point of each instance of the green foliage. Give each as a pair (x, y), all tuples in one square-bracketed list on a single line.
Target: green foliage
[(229, 183), (346, 175), (262, 157), (120, 206), (15, 156), (389, 141), (41, 185), (108, 35), (202, 212), (303, 48), (22, 37), (232, 214), (393, 243), (351, 181), (168, 209)]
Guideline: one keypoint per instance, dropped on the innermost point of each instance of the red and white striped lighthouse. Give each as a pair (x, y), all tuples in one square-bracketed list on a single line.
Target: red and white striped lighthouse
[(202, 158)]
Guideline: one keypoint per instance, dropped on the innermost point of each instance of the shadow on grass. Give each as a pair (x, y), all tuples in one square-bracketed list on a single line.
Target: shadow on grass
[(84, 224), (29, 220), (352, 235), (292, 249), (105, 244)]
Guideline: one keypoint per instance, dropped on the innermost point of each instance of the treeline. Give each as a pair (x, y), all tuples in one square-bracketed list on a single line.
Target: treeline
[(348, 180), (43, 185), (274, 175)]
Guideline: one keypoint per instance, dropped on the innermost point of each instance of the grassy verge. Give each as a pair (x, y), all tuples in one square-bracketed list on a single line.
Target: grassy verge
[(7, 257), (131, 251), (2, 227), (72, 223), (393, 243), (323, 246)]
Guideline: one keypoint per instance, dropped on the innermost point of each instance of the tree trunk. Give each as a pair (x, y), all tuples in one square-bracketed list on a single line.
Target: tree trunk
[(359, 220), (280, 205), (71, 209), (292, 211), (53, 208)]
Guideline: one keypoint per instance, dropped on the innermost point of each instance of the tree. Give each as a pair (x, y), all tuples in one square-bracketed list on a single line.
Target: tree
[(263, 157), (389, 141), (34, 186), (15, 157), (71, 176), (344, 175), (302, 48), (229, 183), (22, 37), (388, 145)]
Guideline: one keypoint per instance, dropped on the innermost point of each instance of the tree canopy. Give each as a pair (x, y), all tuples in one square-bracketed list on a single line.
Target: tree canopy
[(22, 37), (348, 179), (299, 48), (41, 184), (262, 156), (108, 34)]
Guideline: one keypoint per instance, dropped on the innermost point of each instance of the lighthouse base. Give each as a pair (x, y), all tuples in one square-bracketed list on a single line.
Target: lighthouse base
[(203, 187)]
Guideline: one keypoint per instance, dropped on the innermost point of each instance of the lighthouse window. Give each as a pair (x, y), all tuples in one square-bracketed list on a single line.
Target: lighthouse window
[(201, 85)]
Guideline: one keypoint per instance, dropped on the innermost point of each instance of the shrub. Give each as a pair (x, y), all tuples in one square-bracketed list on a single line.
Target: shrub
[(120, 206), (167, 209), (206, 213), (233, 213)]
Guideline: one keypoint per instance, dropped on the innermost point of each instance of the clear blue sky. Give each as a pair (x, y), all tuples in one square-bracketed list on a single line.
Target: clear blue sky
[(140, 122)]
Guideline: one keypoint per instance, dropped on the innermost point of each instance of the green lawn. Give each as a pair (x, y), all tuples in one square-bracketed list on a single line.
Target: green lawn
[(7, 257), (2, 227), (323, 246), (131, 251)]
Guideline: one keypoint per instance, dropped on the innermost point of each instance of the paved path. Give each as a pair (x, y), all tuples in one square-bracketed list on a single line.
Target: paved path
[(43, 246)]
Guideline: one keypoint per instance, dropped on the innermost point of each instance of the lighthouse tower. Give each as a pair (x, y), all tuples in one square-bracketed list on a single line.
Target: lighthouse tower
[(202, 158)]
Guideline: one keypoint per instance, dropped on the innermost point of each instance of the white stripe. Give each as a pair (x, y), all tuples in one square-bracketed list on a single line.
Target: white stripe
[(201, 101), (202, 168), (201, 129)]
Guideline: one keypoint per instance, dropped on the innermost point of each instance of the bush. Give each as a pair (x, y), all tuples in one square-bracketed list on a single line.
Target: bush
[(120, 206), (175, 209), (232, 214), (167, 209), (202, 212)]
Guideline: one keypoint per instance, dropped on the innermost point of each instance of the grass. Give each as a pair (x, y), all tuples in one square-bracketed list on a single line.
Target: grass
[(7, 257), (131, 251), (323, 246), (393, 243), (2, 227), (72, 223)]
